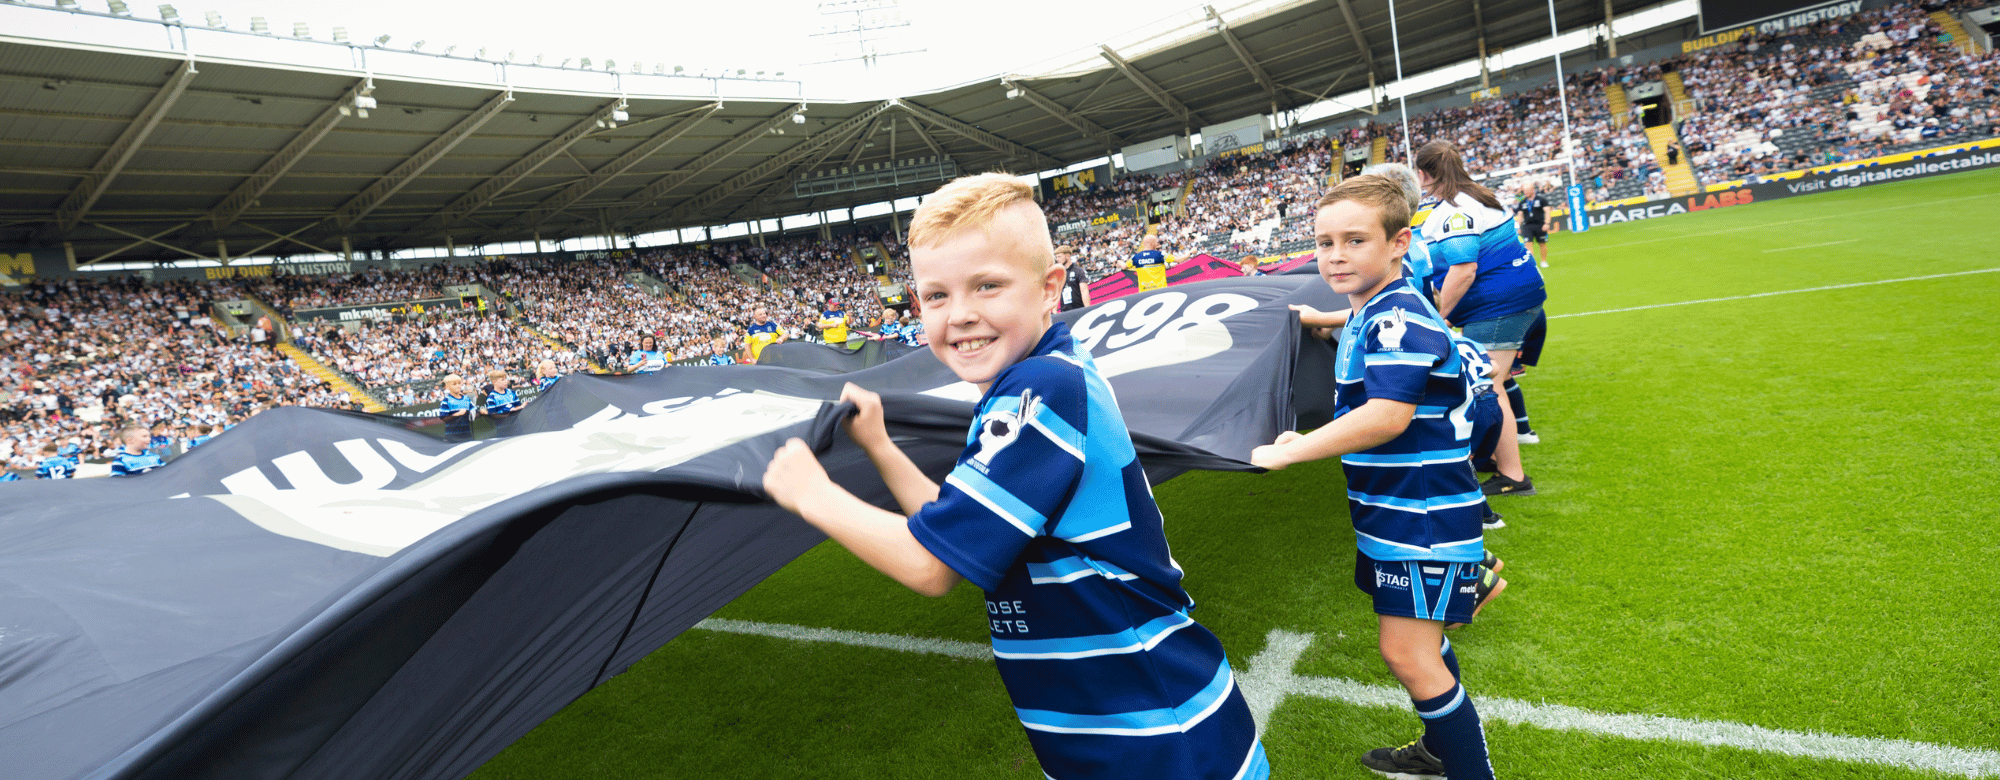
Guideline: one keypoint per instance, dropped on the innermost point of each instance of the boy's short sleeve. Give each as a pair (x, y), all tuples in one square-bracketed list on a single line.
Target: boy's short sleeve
[(1016, 477), (1400, 349)]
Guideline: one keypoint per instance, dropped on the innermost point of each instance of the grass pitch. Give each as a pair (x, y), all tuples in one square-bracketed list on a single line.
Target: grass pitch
[(1773, 510)]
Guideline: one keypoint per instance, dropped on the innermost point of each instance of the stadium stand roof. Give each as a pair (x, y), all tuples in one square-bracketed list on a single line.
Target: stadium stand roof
[(147, 155)]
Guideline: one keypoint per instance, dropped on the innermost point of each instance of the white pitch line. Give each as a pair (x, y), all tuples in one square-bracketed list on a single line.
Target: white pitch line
[(1282, 649), (907, 644), (1780, 292), (1810, 246), (1266, 679)]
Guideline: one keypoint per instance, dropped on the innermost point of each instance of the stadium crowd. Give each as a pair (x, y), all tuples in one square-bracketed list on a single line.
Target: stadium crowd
[(1874, 83), (79, 359)]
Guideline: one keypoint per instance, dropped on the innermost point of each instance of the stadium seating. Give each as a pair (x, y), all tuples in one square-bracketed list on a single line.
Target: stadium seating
[(80, 358)]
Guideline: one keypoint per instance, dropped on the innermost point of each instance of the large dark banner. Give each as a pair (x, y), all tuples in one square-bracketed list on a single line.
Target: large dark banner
[(320, 594)]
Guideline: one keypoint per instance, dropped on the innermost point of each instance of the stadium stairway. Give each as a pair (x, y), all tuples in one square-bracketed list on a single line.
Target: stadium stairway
[(494, 298), (338, 380), (1614, 94), (1680, 175), (648, 283), (747, 273), (278, 322), (1378, 151), (1959, 38), (883, 250), (1683, 105)]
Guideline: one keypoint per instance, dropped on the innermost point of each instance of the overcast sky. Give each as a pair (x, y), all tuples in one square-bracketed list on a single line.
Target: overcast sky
[(963, 41)]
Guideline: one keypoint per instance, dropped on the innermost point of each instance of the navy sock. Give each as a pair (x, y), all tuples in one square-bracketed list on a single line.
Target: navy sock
[(1450, 659), (1520, 405), (1453, 734)]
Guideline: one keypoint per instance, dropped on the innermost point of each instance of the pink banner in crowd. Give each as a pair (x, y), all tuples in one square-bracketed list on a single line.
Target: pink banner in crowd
[(1199, 268)]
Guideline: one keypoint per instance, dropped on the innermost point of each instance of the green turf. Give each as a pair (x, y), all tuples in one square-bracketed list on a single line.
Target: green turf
[(1774, 511)]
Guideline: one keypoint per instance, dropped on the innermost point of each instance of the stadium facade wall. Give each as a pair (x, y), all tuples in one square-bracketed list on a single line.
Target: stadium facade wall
[(22, 264)]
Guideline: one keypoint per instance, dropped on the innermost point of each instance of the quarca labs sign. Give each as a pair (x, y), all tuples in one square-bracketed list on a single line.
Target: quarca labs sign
[(1671, 206)]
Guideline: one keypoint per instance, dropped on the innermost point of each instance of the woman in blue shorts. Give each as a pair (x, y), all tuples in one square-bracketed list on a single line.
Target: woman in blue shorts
[(1484, 281)]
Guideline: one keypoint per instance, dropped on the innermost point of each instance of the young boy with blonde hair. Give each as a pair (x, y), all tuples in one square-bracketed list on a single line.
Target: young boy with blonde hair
[(1402, 431), (1047, 511)]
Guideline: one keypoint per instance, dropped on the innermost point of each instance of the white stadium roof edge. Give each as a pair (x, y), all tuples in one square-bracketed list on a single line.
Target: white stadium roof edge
[(157, 155)]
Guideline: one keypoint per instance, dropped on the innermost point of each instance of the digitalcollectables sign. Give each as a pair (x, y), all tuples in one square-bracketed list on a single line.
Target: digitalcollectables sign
[(1936, 164)]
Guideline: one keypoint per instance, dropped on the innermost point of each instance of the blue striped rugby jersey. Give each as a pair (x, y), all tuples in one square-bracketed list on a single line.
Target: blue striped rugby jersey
[(126, 464), (1478, 365), (56, 467), (1415, 497), (1466, 231), (1049, 512)]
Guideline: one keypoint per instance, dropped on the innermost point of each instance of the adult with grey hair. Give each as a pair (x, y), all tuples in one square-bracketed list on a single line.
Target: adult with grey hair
[(1418, 260)]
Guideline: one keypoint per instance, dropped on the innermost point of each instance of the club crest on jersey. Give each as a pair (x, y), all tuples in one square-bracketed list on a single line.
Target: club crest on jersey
[(1457, 222), (1390, 329), (1000, 428)]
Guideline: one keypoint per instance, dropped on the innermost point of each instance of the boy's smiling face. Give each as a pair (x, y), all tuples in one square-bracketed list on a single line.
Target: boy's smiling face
[(984, 297), (1356, 258)]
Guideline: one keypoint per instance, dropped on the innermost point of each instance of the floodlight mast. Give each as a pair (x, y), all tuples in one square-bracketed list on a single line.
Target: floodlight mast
[(869, 19)]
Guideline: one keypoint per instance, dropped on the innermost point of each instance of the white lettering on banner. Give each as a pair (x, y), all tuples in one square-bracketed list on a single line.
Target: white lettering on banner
[(363, 516), (1904, 171), (1197, 334), (1143, 319)]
